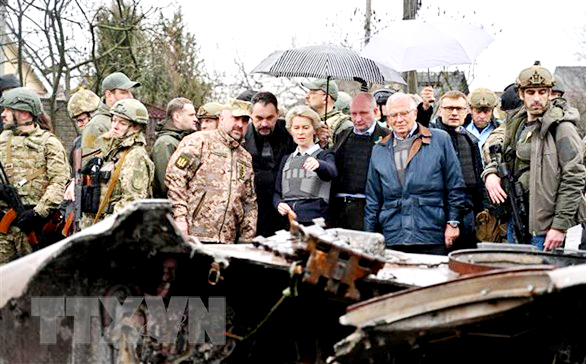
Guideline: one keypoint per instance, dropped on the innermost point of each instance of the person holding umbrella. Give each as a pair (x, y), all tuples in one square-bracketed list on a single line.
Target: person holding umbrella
[(302, 187), (321, 98)]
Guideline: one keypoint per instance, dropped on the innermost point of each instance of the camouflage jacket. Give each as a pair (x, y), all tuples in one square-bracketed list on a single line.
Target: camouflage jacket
[(211, 186), (337, 122), (136, 174), (37, 166), (98, 125), (167, 141)]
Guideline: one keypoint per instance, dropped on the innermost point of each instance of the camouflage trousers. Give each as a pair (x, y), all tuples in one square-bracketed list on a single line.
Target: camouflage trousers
[(13, 245), (87, 219)]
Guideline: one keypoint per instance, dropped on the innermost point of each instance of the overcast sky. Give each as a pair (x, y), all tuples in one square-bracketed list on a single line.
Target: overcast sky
[(524, 30)]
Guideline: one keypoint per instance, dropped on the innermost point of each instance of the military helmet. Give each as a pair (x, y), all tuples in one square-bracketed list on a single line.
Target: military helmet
[(8, 81), (81, 102), (482, 98), (343, 102), (131, 109), (559, 88), (535, 76), (22, 99), (211, 110)]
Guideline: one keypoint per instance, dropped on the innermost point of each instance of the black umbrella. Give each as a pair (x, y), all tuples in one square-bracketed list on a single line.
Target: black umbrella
[(327, 61)]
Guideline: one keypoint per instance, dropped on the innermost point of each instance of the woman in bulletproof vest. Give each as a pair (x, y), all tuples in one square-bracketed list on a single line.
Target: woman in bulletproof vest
[(302, 187), (123, 172)]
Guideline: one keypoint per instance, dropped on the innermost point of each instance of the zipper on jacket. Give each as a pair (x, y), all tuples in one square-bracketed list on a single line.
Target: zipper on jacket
[(199, 205), (229, 195)]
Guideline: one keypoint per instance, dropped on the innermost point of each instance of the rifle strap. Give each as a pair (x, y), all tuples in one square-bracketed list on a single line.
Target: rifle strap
[(9, 155), (111, 185), (39, 172)]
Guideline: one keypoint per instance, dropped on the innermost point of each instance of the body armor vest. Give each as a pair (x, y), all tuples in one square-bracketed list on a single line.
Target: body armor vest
[(299, 184)]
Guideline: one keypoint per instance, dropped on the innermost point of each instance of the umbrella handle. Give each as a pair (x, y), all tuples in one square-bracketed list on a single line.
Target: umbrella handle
[(327, 94)]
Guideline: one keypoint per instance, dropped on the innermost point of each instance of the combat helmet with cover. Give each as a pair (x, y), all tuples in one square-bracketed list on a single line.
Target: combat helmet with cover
[(82, 101), (131, 109), (483, 98), (211, 110), (535, 76), (22, 99)]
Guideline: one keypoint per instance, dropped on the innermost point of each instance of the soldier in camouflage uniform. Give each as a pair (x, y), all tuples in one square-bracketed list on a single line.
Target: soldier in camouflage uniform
[(209, 114), (127, 170), (181, 121), (211, 181), (321, 98), (81, 107), (35, 163), (115, 87)]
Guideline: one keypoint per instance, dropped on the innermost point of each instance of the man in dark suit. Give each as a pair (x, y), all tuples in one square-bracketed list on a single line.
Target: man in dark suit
[(353, 147), (267, 142)]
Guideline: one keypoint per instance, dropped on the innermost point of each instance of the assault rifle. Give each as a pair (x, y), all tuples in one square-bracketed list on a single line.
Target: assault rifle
[(73, 209), (12, 198), (515, 197)]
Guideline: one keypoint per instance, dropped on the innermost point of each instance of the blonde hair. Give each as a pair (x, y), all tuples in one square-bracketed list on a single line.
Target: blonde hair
[(302, 111)]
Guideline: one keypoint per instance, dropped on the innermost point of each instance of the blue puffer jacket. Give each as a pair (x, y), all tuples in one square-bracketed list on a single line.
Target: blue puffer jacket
[(432, 194)]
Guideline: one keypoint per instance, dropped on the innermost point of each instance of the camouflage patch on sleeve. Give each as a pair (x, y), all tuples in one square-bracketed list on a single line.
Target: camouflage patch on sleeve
[(139, 180), (183, 161)]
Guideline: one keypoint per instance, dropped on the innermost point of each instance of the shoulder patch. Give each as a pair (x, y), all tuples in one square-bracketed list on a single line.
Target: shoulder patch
[(139, 179), (183, 161)]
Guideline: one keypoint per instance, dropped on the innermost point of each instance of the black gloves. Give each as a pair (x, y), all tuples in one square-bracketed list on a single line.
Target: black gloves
[(28, 221)]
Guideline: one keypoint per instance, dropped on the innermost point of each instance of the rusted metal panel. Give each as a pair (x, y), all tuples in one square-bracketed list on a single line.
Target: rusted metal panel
[(537, 311), (414, 303), (473, 261)]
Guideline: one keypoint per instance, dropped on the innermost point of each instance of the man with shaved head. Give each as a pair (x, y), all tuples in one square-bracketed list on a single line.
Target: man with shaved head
[(352, 148), (415, 187)]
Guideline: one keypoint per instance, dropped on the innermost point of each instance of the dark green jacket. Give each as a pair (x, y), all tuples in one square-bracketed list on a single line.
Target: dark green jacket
[(167, 141), (557, 174)]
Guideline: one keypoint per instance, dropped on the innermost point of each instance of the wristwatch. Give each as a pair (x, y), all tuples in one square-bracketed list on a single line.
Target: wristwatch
[(454, 223)]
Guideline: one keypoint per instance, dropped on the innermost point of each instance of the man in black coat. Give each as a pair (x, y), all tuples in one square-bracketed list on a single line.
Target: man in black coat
[(267, 142), (453, 111), (353, 147)]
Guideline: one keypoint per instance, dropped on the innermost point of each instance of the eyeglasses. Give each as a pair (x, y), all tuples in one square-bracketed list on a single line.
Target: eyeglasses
[(402, 114), (451, 109)]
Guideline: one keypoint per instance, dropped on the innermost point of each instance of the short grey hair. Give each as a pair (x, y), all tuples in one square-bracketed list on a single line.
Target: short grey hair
[(305, 112), (398, 96)]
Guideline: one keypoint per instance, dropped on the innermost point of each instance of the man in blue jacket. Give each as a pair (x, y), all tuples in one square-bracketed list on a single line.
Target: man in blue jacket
[(415, 189)]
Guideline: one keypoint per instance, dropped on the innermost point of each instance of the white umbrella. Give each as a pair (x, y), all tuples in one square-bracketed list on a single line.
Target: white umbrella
[(409, 45)]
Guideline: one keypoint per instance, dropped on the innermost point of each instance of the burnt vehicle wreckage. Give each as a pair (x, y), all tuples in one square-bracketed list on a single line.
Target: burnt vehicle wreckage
[(310, 295)]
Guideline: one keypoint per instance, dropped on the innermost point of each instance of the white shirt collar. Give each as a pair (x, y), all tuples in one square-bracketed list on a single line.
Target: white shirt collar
[(367, 132), (309, 151)]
